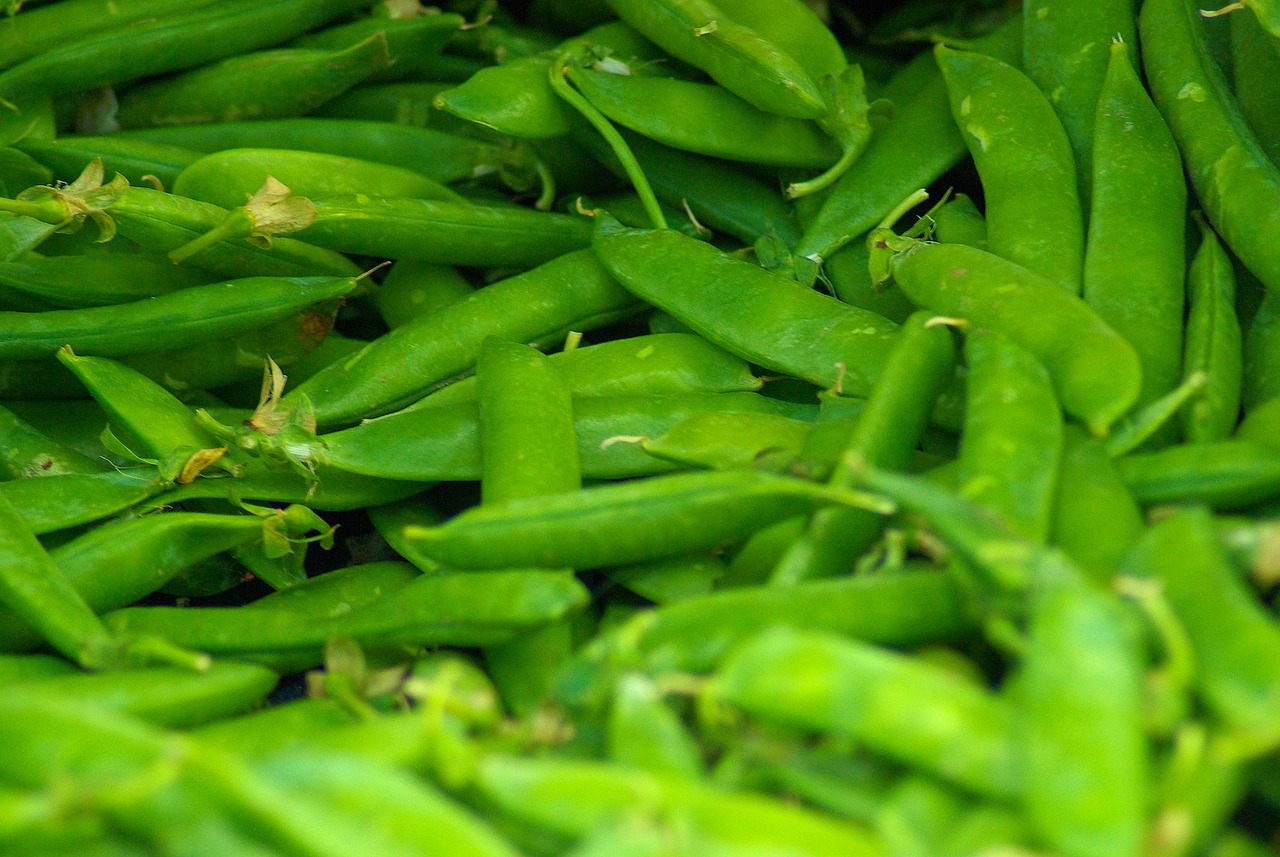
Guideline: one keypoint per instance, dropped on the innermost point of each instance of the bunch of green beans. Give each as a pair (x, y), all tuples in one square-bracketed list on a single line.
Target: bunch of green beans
[(669, 428)]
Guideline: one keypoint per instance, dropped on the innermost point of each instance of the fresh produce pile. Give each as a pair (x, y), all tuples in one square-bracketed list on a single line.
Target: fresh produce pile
[(639, 428)]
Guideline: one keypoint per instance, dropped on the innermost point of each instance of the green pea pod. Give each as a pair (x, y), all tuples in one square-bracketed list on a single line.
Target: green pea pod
[(19, 170), (1095, 371), (1096, 519), (78, 282), (1017, 142), (572, 292), (885, 434), (412, 289), (893, 703), (449, 233), (1134, 268), (598, 527), (229, 177), (574, 797), (325, 489), (412, 42), (715, 122), (796, 30), (670, 580), (1261, 347), (960, 222), (735, 56), (19, 234), (1012, 440), (645, 734), (1236, 183), (1235, 642), (167, 696), (658, 364), (71, 499), (724, 440), (759, 315), (26, 452), (1087, 773), (1064, 50), (442, 443), (337, 593), (1255, 61), (1213, 344), (134, 159), (277, 727), (439, 155), (1225, 474), (16, 669)]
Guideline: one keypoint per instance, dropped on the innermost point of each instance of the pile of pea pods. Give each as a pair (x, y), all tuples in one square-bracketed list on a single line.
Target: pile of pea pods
[(639, 428)]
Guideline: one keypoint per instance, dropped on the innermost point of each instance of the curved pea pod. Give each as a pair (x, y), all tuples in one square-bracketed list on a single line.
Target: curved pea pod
[(133, 159), (796, 30), (439, 155), (1012, 439), (448, 233), (1087, 767), (71, 499), (25, 452), (442, 443), (917, 713), (1236, 643), (1017, 142), (572, 292), (715, 121), (170, 321), (1235, 181), (411, 42), (78, 282), (658, 364), (575, 797), (15, 669), (1135, 265), (624, 523), (666, 581), (1213, 344), (267, 730), (1227, 474), (724, 440), (759, 315), (1096, 518), (229, 177), (733, 55), (1255, 61), (168, 697), (412, 289), (960, 222), (1261, 349), (397, 812), (1096, 373), (19, 233)]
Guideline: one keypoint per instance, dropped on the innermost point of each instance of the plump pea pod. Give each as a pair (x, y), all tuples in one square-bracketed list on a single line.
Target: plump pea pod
[(1087, 767), (396, 812), (1234, 179), (891, 702), (658, 364), (573, 292), (717, 122), (337, 593), (26, 452), (1012, 439), (575, 797), (22, 668), (1226, 474), (726, 199), (1236, 642), (449, 233), (36, 591), (448, 610), (72, 499), (1255, 62), (1095, 371), (442, 443), (796, 30), (39, 30), (1134, 267), (920, 143), (412, 289), (599, 526), (735, 56), (412, 42), (1017, 142), (229, 177), (722, 440), (1213, 344), (1096, 519), (169, 321), (671, 580), (1261, 347), (960, 222), (162, 45), (273, 84), (759, 315), (439, 155), (1262, 425), (134, 159), (1064, 50), (167, 696), (885, 434), (645, 734), (78, 282), (277, 727)]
